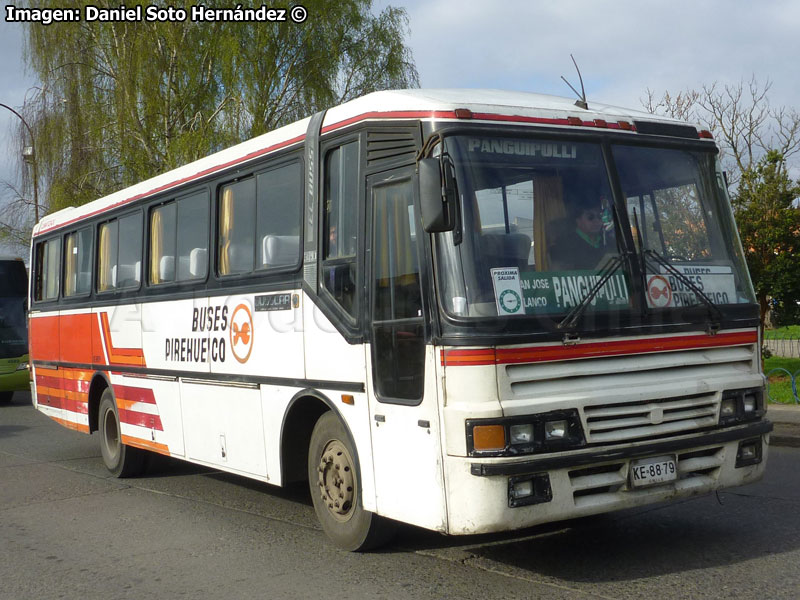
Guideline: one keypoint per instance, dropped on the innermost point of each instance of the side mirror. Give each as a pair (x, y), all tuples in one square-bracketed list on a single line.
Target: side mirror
[(437, 201)]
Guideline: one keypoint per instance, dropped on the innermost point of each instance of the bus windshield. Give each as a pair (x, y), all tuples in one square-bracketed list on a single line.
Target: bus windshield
[(13, 328), (539, 229)]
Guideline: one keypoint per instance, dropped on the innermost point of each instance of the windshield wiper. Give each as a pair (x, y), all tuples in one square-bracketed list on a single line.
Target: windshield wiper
[(716, 313), (605, 274)]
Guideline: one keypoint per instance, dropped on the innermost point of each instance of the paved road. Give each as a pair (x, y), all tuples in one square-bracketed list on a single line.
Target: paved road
[(67, 530)]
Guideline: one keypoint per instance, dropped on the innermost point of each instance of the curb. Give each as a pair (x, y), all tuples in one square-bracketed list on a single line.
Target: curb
[(785, 434)]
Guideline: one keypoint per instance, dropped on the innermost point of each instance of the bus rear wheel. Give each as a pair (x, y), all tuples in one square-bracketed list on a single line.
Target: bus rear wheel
[(121, 460), (335, 484)]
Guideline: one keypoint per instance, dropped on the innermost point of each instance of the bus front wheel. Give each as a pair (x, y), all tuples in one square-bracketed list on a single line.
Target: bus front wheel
[(121, 460), (335, 484)]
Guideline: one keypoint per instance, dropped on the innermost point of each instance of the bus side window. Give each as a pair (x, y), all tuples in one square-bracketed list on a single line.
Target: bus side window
[(107, 256), (280, 201), (237, 227), (162, 244), (78, 263), (192, 237), (48, 268), (129, 257), (340, 226)]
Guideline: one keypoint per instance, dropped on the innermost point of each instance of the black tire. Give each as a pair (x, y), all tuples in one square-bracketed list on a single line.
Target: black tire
[(120, 460), (5, 397), (335, 484)]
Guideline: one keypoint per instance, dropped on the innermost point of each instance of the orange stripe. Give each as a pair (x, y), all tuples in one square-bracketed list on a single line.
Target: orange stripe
[(78, 374), (641, 346), (488, 356), (50, 372), (117, 359), (125, 404), (50, 391), (71, 425), (145, 445), (120, 356)]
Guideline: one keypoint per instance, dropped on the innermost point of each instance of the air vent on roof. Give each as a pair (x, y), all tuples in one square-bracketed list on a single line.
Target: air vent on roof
[(390, 145), (670, 129)]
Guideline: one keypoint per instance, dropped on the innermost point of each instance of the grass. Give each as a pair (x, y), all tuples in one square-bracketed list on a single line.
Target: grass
[(789, 331), (779, 385)]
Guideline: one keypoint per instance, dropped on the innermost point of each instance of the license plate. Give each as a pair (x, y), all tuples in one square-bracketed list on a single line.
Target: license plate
[(652, 471)]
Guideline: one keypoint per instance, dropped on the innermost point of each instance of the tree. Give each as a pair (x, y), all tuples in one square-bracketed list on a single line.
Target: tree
[(759, 147), (121, 102), (769, 226), (740, 117)]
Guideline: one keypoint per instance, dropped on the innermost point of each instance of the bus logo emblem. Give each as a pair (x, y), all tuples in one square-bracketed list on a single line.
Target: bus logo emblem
[(659, 293), (241, 333)]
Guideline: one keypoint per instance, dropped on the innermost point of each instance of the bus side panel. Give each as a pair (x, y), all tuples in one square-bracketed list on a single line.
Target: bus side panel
[(173, 339), (223, 427), (407, 455), (329, 357), (76, 348), (44, 346), (44, 337), (122, 332)]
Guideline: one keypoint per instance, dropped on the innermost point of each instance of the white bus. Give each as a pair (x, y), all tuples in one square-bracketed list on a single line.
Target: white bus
[(471, 311)]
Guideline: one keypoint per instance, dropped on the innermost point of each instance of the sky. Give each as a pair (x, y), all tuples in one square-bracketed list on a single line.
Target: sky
[(623, 48)]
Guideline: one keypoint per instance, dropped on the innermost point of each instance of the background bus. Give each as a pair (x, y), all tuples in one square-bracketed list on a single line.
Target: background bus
[(14, 374), (384, 300)]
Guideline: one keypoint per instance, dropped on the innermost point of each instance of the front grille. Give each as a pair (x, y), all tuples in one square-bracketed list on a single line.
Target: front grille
[(637, 420), (609, 483), (630, 398)]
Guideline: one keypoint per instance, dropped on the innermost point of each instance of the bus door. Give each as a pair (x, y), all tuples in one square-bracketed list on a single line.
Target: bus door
[(403, 406)]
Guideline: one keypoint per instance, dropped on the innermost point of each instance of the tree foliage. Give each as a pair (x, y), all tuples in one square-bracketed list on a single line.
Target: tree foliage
[(121, 102), (769, 226), (744, 123), (760, 147)]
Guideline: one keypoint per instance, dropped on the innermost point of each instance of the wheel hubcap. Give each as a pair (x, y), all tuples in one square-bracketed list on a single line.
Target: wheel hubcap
[(336, 480)]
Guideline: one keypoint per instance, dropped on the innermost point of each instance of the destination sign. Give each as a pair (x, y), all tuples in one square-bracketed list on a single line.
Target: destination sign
[(555, 291), (666, 290)]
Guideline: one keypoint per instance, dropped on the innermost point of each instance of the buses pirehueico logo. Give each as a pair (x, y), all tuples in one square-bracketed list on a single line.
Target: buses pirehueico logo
[(659, 291), (241, 333)]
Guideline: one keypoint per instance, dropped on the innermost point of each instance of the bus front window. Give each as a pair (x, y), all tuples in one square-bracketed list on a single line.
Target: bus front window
[(681, 221), (539, 230), (537, 227)]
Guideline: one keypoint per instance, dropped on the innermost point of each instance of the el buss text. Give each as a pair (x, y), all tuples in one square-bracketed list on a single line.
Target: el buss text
[(198, 13)]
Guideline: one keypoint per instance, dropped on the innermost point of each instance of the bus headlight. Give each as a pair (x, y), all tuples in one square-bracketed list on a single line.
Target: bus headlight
[(728, 408), (555, 430), (528, 434), (521, 434), (741, 405), (22, 366)]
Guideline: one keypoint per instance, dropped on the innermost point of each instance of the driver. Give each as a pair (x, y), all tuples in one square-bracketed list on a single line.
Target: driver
[(585, 246)]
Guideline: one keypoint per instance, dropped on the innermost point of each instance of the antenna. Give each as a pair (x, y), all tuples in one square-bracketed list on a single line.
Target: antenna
[(581, 101)]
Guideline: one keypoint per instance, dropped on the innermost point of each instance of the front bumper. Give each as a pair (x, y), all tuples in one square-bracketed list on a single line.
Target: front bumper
[(596, 480)]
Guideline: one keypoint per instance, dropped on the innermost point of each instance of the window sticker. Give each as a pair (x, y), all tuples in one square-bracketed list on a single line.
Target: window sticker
[(665, 290), (507, 291), (555, 291)]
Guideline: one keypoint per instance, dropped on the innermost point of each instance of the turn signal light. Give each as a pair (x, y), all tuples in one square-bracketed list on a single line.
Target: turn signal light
[(489, 437)]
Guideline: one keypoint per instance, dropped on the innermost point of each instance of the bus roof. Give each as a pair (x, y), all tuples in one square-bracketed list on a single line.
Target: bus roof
[(425, 104)]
